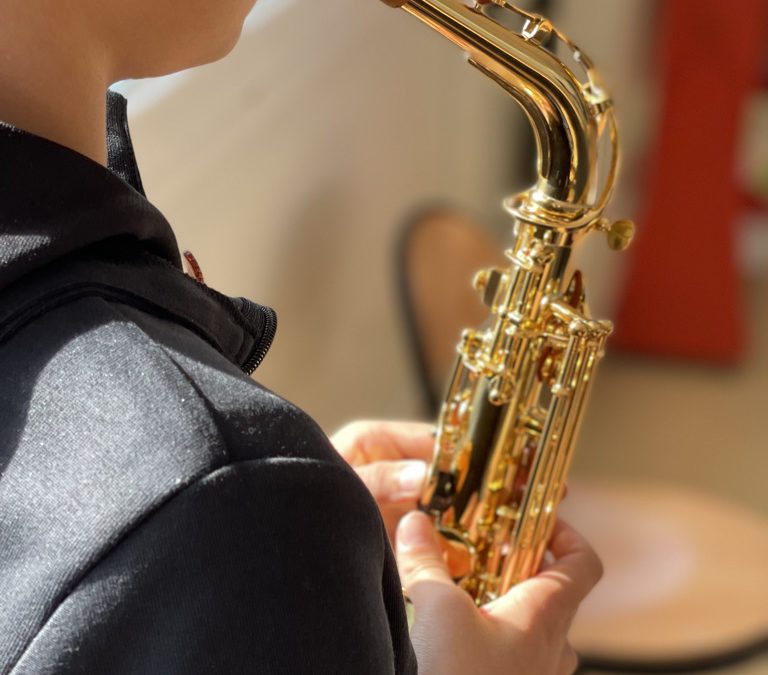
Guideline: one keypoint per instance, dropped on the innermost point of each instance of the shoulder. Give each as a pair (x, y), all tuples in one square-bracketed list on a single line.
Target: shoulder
[(137, 381), (119, 406), (270, 565), (108, 415)]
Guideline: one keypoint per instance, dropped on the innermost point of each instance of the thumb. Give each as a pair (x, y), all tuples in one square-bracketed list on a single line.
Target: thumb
[(420, 556)]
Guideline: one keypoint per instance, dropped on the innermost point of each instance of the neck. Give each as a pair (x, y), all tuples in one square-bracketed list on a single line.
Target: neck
[(53, 81)]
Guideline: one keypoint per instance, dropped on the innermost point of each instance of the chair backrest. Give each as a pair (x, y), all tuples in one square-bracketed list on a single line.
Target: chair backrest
[(441, 249)]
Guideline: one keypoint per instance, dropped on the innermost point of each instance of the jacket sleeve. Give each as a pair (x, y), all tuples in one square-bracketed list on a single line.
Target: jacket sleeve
[(267, 566)]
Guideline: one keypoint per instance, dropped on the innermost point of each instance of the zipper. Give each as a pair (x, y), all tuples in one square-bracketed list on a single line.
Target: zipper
[(250, 313), (250, 310)]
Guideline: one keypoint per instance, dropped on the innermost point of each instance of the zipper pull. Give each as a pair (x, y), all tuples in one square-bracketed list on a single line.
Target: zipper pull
[(192, 267)]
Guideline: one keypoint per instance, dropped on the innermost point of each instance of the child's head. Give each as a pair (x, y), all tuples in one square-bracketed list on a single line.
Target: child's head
[(130, 38), (156, 37), (58, 56)]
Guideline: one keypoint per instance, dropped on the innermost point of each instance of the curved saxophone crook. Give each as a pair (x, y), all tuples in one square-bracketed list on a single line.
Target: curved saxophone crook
[(569, 116)]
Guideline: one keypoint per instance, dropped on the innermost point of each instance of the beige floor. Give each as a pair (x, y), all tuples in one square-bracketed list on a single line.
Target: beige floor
[(687, 424), (755, 666)]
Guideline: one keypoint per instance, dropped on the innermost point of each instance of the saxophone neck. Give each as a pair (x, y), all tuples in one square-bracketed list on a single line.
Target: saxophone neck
[(569, 116)]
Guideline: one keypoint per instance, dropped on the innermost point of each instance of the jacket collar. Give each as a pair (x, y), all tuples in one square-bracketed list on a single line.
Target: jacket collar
[(58, 205), (55, 201)]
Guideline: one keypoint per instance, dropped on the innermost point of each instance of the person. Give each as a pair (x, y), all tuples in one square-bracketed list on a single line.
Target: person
[(160, 511)]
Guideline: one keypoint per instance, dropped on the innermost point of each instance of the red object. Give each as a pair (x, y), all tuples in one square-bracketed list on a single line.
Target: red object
[(193, 268), (683, 295)]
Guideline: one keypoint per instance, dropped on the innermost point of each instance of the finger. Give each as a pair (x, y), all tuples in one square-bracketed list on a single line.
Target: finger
[(393, 482), (420, 556), (576, 568), (571, 549), (561, 585), (457, 557), (365, 442), (569, 660)]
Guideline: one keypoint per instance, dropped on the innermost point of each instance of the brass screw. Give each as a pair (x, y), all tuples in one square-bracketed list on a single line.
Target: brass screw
[(620, 235), (480, 282)]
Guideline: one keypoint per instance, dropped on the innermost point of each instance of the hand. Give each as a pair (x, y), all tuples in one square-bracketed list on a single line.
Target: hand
[(524, 632), (391, 459)]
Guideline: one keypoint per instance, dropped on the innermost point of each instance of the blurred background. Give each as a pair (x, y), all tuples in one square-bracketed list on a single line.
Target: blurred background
[(292, 168)]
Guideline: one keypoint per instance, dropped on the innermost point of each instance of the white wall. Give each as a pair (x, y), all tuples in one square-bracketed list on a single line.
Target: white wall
[(288, 169)]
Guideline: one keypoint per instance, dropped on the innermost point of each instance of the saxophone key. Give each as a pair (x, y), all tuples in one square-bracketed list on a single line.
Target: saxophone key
[(489, 283)]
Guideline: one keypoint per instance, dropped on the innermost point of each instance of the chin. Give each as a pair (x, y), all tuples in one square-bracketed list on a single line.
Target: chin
[(230, 44), (199, 50), (216, 50)]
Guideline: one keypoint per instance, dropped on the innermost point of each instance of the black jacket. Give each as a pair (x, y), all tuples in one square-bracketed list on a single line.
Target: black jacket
[(160, 512)]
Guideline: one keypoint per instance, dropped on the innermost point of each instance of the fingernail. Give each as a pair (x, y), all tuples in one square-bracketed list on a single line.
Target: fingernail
[(411, 477), (412, 531)]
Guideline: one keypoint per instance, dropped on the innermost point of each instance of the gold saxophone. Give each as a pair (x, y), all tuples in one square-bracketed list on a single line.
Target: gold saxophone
[(508, 426)]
